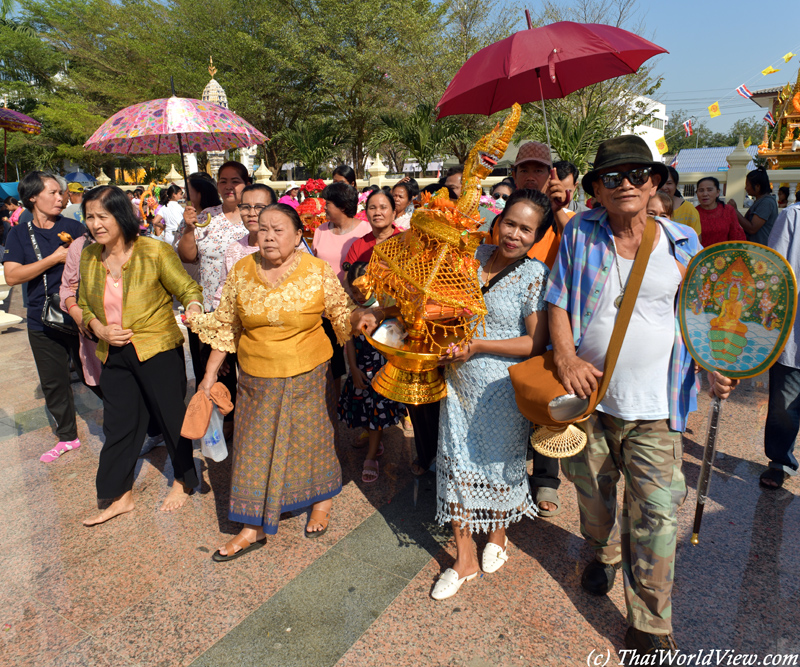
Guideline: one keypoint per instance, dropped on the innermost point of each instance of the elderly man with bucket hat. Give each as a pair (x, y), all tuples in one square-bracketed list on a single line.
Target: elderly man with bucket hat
[(636, 429)]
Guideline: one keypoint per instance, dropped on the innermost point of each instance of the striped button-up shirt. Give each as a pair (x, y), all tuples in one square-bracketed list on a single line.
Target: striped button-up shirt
[(584, 262)]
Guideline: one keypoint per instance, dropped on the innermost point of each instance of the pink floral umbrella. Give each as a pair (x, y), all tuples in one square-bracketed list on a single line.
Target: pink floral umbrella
[(14, 121), (172, 125)]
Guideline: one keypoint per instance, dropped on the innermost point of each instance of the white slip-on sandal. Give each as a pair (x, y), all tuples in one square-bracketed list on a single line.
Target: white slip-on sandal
[(448, 584), (494, 557)]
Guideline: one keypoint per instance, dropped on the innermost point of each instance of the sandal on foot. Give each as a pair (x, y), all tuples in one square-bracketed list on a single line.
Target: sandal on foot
[(545, 494), (318, 516), (494, 557), (772, 478), (61, 448), (380, 449), (244, 546), (448, 583), (370, 473)]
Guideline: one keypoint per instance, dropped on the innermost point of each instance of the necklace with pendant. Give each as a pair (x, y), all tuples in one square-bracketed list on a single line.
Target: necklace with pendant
[(618, 300)]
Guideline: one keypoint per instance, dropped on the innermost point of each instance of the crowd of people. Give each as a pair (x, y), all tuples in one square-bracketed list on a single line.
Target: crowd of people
[(278, 322)]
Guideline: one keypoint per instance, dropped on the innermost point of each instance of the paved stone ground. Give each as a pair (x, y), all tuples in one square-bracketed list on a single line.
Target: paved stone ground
[(142, 589)]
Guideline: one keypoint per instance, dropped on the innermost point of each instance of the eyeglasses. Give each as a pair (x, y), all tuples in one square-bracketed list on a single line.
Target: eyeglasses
[(246, 208), (635, 177), (497, 195)]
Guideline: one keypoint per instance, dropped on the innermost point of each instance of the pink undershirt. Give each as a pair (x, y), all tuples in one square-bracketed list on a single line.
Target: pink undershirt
[(112, 301)]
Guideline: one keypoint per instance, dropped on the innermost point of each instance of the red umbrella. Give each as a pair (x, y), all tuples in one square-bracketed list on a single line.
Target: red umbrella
[(542, 64)]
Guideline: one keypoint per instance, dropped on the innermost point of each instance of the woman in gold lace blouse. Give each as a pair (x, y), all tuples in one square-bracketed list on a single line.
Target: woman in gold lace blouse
[(270, 313)]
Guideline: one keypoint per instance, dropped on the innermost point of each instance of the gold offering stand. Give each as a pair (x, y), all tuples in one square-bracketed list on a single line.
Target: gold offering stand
[(431, 273)]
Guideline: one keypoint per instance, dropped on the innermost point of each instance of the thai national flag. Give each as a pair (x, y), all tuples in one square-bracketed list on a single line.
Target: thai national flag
[(687, 126), (674, 163), (742, 90), (769, 118)]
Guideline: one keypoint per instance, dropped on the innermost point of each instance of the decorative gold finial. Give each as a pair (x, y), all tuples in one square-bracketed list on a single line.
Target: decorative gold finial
[(211, 69)]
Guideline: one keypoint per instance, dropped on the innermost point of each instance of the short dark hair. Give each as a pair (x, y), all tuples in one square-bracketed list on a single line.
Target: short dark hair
[(203, 184), (538, 200), (708, 178), (355, 270), (504, 184), (12, 200), (758, 177), (785, 190), (33, 183), (564, 168), (240, 169), (673, 173), (346, 172), (369, 188), (116, 203), (288, 211), (261, 187), (342, 196), (378, 193), (452, 171), (410, 186)]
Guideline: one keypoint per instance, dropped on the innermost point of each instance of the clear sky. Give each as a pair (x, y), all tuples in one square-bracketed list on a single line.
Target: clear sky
[(715, 46)]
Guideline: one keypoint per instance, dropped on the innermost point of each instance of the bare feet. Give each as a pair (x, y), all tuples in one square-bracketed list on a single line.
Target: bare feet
[(120, 505), (250, 533), (548, 506), (176, 498)]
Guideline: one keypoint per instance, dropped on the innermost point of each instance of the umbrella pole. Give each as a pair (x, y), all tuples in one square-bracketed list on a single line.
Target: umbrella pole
[(5, 155), (544, 113), (180, 150)]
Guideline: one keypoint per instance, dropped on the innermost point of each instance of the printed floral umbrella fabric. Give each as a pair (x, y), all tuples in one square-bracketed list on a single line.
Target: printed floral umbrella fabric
[(152, 128), (14, 121)]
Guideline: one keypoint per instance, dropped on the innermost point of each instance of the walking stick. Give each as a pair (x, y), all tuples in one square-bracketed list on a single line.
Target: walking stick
[(707, 468)]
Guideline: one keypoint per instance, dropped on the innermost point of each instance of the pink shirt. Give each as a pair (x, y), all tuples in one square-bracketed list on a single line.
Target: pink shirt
[(289, 201), (112, 301), (333, 248)]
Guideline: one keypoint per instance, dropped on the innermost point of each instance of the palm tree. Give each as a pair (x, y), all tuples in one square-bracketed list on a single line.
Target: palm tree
[(575, 139), (311, 143), (419, 133)]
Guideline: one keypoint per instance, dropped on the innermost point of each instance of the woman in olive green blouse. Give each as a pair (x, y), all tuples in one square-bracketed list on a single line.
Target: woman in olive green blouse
[(126, 290)]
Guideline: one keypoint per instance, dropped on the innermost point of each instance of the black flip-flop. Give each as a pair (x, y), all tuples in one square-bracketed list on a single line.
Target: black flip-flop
[(772, 475), (250, 546)]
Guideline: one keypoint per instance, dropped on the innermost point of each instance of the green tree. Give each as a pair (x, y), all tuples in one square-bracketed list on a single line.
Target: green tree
[(419, 133), (311, 143)]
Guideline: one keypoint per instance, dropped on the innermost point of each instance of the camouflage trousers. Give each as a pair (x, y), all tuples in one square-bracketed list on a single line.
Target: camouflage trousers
[(648, 455)]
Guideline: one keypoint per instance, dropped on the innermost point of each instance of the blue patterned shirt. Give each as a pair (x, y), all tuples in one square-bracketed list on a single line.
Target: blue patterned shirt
[(585, 258)]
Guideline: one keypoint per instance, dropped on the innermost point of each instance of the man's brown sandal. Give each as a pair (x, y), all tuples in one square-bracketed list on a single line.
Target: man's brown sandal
[(321, 517), (244, 547)]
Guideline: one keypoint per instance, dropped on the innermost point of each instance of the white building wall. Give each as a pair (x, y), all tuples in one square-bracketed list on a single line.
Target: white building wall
[(655, 129)]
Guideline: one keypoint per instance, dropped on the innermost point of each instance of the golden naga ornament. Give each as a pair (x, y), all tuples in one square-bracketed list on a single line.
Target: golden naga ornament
[(431, 274)]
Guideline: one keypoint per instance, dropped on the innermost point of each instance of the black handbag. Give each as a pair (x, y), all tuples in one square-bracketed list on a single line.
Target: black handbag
[(52, 315)]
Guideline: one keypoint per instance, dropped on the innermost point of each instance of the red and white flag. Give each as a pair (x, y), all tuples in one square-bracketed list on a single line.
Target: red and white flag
[(687, 126)]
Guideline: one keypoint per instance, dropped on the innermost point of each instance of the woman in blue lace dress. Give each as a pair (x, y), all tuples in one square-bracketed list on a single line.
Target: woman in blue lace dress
[(482, 485)]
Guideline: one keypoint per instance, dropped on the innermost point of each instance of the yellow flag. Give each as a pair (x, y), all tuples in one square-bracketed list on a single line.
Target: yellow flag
[(769, 70), (788, 57), (661, 145), (714, 111), (748, 142)]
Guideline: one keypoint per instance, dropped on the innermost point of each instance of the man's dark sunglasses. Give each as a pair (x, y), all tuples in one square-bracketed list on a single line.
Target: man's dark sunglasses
[(636, 177)]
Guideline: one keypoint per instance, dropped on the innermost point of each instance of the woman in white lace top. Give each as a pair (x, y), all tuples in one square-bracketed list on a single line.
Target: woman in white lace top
[(482, 484)]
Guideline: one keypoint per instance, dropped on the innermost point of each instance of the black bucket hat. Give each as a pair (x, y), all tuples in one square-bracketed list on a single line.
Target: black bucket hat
[(627, 149)]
